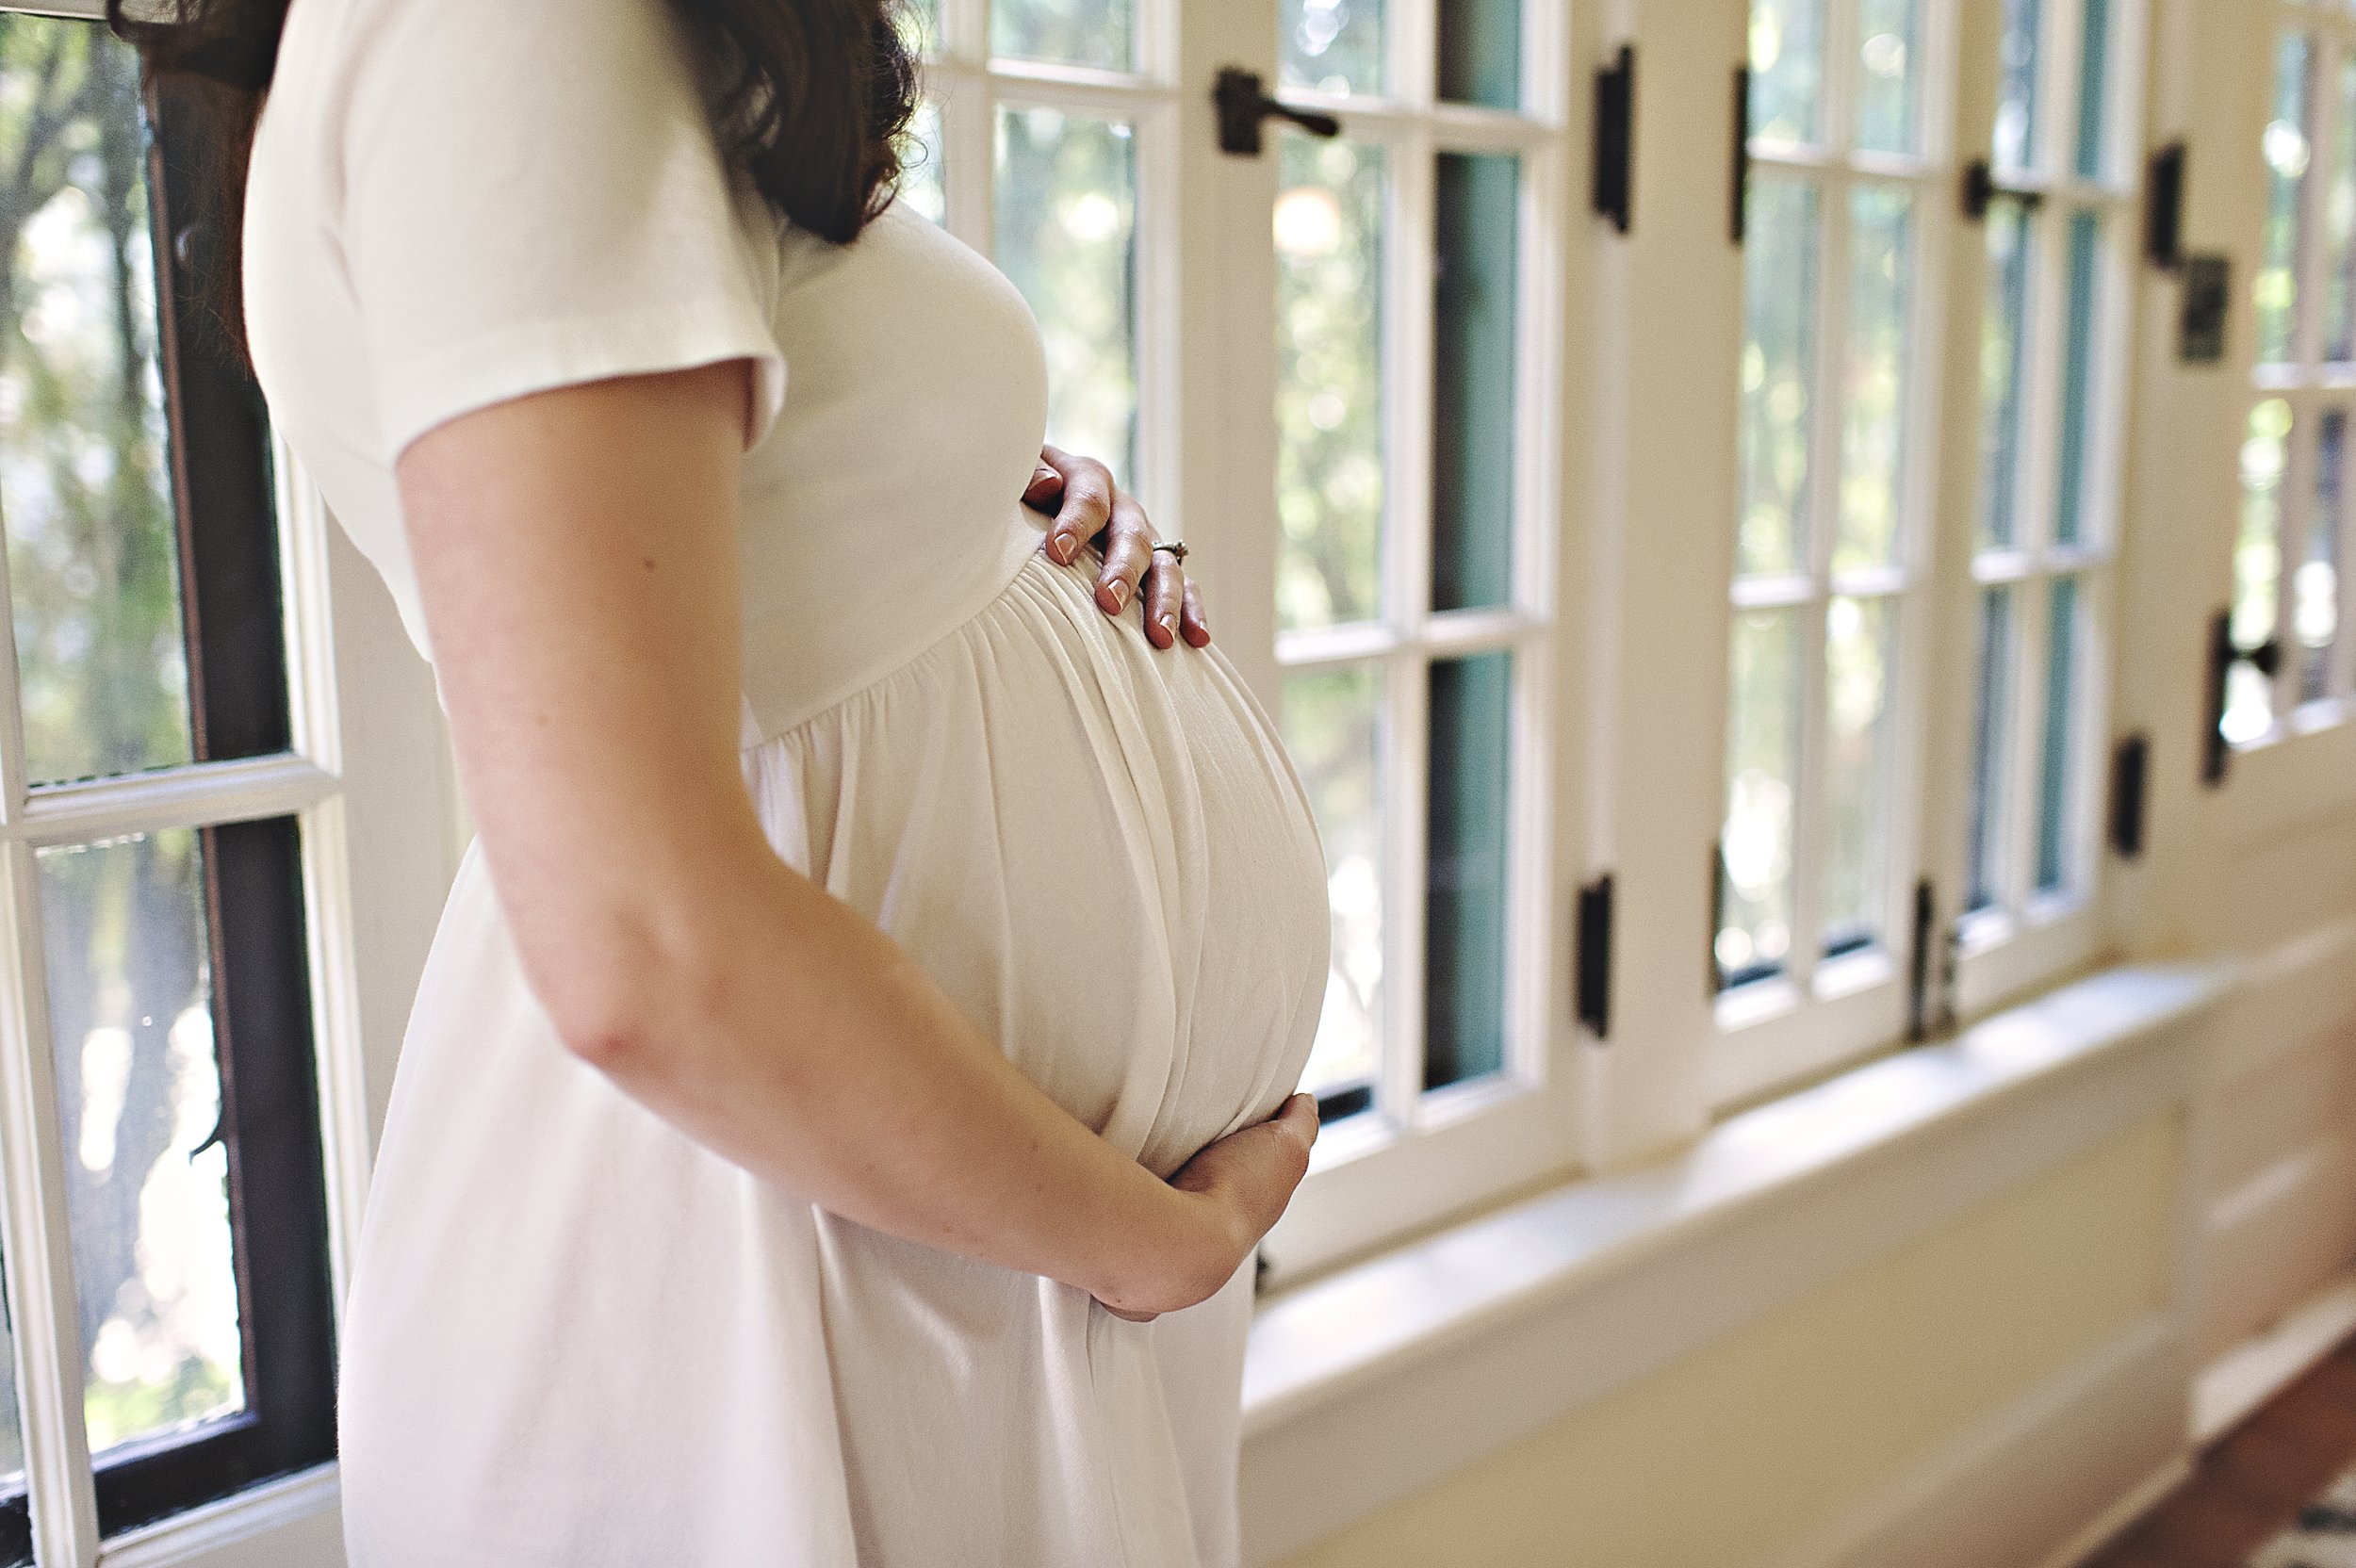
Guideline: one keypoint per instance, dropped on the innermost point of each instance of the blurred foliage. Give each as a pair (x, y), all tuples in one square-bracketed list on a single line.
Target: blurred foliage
[(1066, 199), (1329, 478), (1067, 32), (1777, 372), (1334, 731), (1762, 772), (1333, 46), (85, 499), (85, 486), (2015, 137), (2287, 151), (2003, 358), (1786, 69), (1873, 400), (1860, 651), (1888, 75)]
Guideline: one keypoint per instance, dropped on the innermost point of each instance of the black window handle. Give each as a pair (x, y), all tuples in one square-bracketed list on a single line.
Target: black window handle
[(1243, 102)]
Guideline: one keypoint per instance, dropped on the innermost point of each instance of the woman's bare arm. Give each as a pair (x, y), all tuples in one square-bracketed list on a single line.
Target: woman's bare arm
[(575, 551)]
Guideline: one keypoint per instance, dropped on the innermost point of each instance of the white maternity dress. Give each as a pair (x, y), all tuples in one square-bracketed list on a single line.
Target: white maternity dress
[(574, 1336)]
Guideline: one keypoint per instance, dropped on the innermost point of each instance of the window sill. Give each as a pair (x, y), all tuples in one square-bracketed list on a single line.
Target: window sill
[(292, 1522), (1624, 1275)]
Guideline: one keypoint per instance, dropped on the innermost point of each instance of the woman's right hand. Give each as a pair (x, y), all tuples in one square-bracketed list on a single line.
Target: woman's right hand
[(1238, 1187)]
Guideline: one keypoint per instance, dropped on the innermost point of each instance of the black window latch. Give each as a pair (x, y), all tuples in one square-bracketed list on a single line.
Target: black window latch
[(1243, 102)]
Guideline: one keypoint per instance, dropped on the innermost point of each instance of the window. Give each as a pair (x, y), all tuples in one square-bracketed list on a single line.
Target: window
[(1413, 550), (1410, 525), (1043, 143), (1901, 619), (1833, 536), (2059, 237), (1406, 631), (2295, 659), (168, 814)]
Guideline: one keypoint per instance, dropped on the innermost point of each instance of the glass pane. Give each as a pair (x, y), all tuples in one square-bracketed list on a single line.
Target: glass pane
[(921, 175), (1332, 45), (1330, 476), (2016, 94), (1464, 891), (2077, 377), (1333, 730), (2003, 360), (1762, 776), (1886, 78), (2339, 305), (1472, 381), (2315, 588), (1860, 661), (2276, 287), (1067, 235), (1779, 365), (2057, 758), (918, 22), (138, 1098), (1786, 69), (2257, 565), (1991, 752), (1070, 32), (1873, 441), (1480, 53), (84, 471), (2094, 58)]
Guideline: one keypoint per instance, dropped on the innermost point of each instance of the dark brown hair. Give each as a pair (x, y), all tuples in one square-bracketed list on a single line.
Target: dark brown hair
[(808, 100)]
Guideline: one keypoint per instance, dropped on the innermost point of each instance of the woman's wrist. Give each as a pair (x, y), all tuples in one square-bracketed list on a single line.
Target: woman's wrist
[(1181, 1251)]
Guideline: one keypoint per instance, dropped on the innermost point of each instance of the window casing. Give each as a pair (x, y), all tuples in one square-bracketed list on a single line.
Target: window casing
[(170, 823), (1870, 892), (1417, 521), (1847, 213), (2290, 627), (2058, 268)]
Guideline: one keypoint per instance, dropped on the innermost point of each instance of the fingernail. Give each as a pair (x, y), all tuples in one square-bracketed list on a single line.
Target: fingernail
[(1063, 546), (1170, 628), (1120, 594)]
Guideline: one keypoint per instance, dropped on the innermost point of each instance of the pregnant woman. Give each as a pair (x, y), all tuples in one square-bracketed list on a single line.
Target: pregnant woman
[(852, 1072)]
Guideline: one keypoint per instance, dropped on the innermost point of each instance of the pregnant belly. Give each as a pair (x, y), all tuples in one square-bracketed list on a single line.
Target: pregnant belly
[(1096, 848)]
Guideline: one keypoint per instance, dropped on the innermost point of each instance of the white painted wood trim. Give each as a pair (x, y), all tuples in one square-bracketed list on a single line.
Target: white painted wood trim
[(1495, 1331), (2246, 1376), (2292, 996), (2113, 1521), (280, 1523), (1768, 1204), (1875, 1531)]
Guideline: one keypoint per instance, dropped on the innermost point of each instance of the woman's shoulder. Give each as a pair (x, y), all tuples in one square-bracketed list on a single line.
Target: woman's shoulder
[(533, 49)]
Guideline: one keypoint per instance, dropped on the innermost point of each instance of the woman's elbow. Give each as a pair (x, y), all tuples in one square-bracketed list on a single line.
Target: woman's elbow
[(621, 998)]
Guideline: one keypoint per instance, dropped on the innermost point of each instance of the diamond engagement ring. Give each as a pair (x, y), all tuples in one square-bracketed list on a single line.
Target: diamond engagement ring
[(1175, 547)]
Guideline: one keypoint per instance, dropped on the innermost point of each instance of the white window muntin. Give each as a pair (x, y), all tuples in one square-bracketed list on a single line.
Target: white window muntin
[(1820, 1009)]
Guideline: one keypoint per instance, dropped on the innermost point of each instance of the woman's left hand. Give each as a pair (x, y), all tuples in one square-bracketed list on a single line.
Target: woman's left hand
[(1089, 509)]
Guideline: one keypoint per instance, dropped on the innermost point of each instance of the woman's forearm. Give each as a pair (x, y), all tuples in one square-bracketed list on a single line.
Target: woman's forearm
[(776, 1026)]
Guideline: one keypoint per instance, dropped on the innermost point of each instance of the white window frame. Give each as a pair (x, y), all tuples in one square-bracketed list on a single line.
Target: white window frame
[(1819, 1012), (2309, 383), (971, 86), (1418, 1156), (35, 1225), (1206, 375), (2029, 938), (376, 855)]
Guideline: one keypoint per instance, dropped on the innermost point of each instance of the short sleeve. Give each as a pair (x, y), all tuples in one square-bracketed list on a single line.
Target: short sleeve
[(532, 197)]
